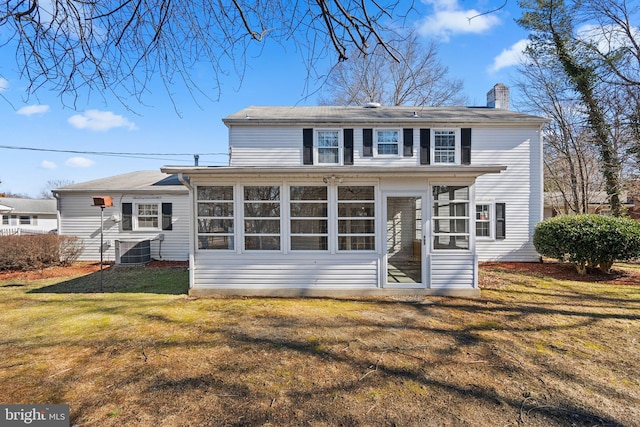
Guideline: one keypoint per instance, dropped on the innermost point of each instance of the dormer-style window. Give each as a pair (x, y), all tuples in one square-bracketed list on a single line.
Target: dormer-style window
[(328, 147), (387, 142)]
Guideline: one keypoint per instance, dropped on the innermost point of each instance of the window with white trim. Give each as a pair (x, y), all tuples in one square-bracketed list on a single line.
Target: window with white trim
[(328, 147), (450, 217), (356, 218), (445, 147), (387, 142), (147, 216), (215, 217), (309, 216), (484, 220), (5, 219), (261, 218)]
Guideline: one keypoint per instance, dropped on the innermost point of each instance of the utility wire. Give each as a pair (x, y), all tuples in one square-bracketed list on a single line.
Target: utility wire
[(108, 153)]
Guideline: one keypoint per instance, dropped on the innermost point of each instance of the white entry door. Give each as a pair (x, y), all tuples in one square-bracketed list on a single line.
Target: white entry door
[(405, 239)]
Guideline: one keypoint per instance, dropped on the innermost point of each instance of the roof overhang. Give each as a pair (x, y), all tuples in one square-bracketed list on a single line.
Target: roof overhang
[(5, 209), (461, 171)]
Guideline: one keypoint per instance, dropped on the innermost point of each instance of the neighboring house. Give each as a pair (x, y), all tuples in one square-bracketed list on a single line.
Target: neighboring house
[(555, 203), (365, 200), (149, 217), (27, 216)]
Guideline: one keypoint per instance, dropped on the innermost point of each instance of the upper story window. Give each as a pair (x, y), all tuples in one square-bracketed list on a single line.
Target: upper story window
[(328, 147), (445, 147), (387, 142)]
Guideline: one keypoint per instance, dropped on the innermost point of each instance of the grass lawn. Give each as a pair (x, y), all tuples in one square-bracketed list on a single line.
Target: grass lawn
[(541, 347)]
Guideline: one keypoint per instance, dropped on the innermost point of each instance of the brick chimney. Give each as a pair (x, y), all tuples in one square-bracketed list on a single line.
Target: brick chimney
[(498, 97)]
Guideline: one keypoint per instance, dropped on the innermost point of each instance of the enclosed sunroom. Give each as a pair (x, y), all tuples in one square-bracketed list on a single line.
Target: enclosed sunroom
[(328, 231)]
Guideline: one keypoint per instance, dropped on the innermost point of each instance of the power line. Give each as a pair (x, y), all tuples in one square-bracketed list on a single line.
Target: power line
[(108, 153)]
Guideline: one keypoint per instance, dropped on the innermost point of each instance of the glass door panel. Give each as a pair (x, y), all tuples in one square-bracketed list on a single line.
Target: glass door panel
[(404, 240)]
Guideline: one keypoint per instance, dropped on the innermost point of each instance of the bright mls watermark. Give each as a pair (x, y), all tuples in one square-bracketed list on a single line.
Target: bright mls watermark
[(34, 415)]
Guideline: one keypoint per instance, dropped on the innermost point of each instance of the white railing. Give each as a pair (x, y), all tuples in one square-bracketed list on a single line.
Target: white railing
[(17, 231)]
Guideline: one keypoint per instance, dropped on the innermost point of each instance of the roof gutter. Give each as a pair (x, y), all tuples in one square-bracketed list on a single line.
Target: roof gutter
[(184, 181)]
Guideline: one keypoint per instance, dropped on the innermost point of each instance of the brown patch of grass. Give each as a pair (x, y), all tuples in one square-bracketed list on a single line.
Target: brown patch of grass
[(538, 348)]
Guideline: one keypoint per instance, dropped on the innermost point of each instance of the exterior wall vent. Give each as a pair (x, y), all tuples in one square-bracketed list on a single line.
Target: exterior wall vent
[(133, 252), (372, 105)]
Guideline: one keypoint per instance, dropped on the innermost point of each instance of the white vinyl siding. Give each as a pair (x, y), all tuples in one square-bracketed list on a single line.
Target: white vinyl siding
[(79, 218), (265, 146), (519, 187)]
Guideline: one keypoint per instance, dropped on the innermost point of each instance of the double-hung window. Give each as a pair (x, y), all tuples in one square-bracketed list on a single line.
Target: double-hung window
[(262, 218), (147, 215), (356, 218), (215, 217), (328, 147), (308, 209), (450, 217), (483, 220), (387, 142), (445, 147), (5, 219)]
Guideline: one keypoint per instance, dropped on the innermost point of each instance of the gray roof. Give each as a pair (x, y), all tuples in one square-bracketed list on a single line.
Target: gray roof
[(404, 115), (27, 206), (132, 182)]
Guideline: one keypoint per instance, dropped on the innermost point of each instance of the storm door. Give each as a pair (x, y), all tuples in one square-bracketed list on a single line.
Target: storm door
[(404, 241)]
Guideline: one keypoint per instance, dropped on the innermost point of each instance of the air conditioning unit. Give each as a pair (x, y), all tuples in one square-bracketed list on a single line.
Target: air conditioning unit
[(133, 252)]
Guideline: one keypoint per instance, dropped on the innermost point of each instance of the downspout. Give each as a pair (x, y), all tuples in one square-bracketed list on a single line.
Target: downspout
[(58, 210), (192, 219)]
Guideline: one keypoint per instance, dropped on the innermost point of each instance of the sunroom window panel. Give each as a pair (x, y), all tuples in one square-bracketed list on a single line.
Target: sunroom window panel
[(309, 218), (451, 217), (356, 218), (261, 218), (215, 217)]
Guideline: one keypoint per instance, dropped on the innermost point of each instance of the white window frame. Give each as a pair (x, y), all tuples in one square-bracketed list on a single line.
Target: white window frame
[(244, 218), (5, 219), (287, 213), (491, 221), (469, 219), (316, 147), (374, 218), (231, 235), (376, 142), (458, 150), (136, 216)]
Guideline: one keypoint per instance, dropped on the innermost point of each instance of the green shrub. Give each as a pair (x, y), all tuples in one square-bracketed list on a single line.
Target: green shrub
[(588, 240), (37, 252)]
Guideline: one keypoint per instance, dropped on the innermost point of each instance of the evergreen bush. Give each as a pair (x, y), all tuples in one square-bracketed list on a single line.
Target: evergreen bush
[(588, 240)]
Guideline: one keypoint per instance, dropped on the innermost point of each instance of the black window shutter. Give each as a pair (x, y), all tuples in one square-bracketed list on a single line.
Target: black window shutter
[(348, 146), (367, 142), (307, 146), (425, 146), (501, 224), (465, 137), (167, 211), (407, 139), (127, 216)]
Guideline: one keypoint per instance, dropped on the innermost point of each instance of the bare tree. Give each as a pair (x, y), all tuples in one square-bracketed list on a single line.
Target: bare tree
[(119, 46), (46, 193), (571, 168), (418, 78)]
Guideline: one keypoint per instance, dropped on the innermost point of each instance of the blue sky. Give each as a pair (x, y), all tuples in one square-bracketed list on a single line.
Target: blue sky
[(480, 53)]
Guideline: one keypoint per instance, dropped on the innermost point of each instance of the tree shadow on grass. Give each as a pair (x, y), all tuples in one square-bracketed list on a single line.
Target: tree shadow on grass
[(169, 281)]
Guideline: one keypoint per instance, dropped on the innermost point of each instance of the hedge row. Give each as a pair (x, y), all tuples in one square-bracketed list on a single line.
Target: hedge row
[(588, 240), (37, 252)]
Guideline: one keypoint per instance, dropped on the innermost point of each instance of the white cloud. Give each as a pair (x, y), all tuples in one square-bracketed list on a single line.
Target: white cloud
[(48, 165), (606, 37), (79, 162), (4, 84), (97, 120), (449, 18), (33, 109), (509, 57)]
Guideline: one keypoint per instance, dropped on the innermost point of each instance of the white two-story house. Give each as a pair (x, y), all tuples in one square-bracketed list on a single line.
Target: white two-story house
[(365, 200)]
